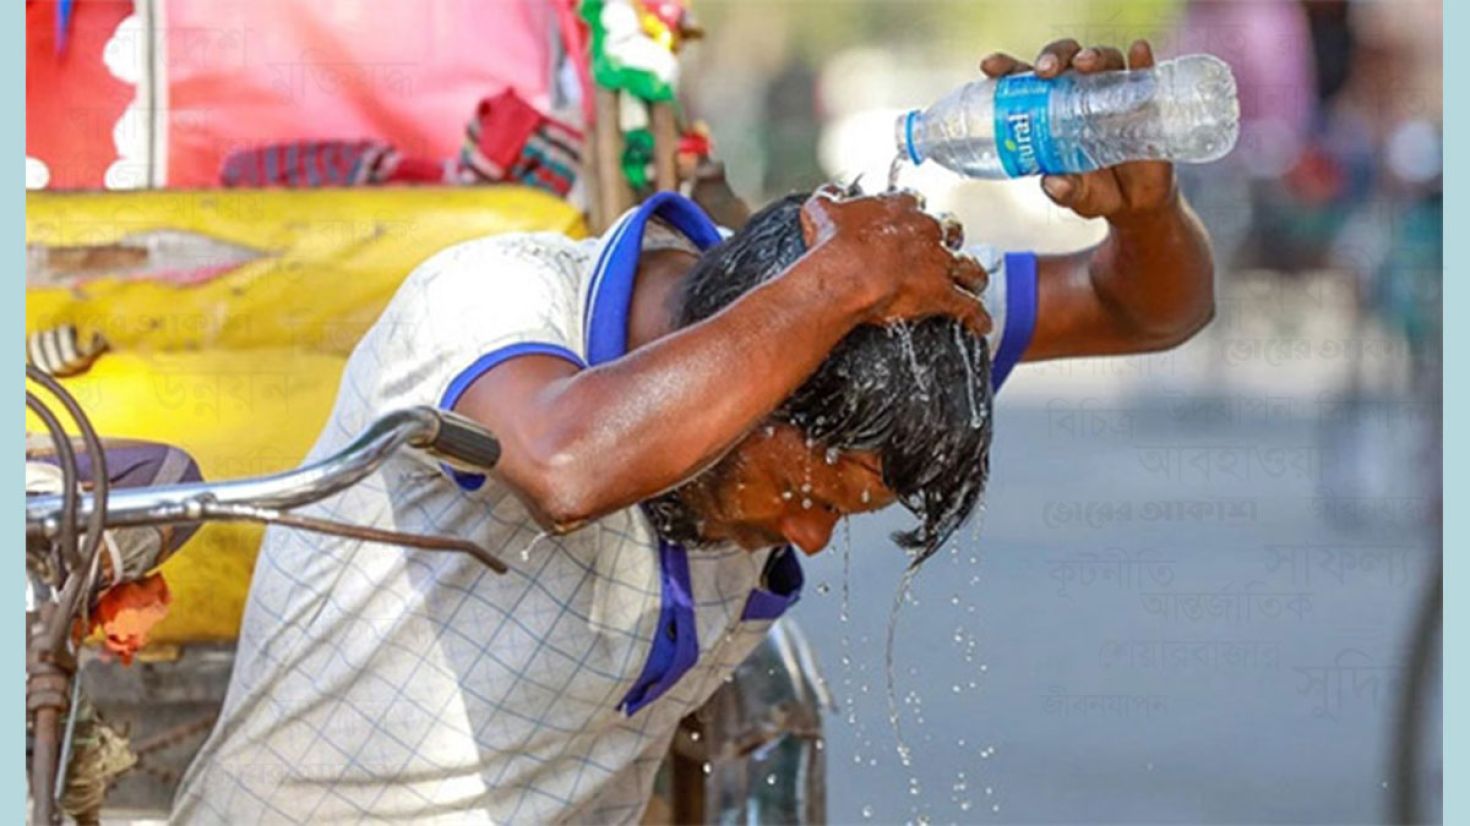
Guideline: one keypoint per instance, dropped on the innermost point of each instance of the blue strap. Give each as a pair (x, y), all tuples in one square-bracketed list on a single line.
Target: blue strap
[(611, 295), (675, 647), (1020, 315), (675, 641), (782, 587)]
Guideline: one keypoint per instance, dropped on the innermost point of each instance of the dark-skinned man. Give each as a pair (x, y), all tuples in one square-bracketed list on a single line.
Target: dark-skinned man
[(679, 413)]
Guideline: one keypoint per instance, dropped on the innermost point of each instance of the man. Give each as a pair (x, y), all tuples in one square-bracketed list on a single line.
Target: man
[(675, 413)]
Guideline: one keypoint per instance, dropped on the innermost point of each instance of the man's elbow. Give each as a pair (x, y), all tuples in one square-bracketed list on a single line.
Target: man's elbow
[(560, 492), (1189, 326), (1157, 335)]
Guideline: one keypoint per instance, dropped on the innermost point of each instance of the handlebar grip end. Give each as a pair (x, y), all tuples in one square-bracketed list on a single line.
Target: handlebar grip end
[(465, 443)]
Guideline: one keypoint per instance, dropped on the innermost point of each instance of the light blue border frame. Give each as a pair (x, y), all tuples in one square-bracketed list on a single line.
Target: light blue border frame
[(13, 225), (1456, 409)]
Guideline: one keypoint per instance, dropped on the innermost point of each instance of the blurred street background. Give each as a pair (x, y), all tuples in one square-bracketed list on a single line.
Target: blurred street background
[(1192, 596)]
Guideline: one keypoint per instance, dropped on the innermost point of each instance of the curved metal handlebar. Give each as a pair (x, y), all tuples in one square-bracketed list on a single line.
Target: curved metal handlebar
[(444, 434)]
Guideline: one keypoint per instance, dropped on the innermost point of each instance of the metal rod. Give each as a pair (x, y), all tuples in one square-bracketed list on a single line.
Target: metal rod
[(59, 636), (47, 723), (1409, 719), (597, 222), (186, 502), (101, 483), (665, 130), (615, 196), (246, 513), (67, 529)]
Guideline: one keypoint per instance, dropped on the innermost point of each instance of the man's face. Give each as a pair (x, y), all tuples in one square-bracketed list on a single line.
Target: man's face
[(775, 488)]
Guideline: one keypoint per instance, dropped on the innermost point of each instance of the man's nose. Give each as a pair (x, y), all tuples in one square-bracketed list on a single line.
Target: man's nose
[(810, 530)]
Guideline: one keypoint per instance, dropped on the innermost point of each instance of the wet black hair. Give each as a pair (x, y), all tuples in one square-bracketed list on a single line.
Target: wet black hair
[(916, 394)]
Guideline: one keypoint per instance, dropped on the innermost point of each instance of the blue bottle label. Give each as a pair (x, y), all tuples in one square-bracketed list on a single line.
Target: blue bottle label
[(1023, 127)]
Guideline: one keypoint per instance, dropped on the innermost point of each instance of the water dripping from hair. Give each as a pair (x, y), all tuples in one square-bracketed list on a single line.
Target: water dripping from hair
[(905, 589)]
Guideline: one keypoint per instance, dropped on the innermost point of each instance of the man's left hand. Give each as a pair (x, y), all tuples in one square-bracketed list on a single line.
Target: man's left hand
[(1117, 193)]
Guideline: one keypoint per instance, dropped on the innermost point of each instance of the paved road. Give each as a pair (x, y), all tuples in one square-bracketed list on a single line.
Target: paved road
[(1176, 612)]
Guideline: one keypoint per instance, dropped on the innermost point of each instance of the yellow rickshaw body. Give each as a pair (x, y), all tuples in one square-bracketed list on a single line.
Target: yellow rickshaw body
[(239, 368)]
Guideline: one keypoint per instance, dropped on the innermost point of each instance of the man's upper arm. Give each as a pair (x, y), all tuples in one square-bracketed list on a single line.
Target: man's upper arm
[(1046, 307), (1072, 319), (463, 315)]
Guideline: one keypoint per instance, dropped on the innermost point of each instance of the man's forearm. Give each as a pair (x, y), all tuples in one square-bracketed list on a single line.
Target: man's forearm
[(1148, 286), (602, 439), (1155, 274)]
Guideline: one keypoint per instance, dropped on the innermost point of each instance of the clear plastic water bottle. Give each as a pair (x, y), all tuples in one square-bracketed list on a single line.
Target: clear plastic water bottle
[(1179, 110)]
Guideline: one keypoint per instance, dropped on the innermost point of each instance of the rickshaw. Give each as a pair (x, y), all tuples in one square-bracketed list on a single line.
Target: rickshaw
[(200, 281)]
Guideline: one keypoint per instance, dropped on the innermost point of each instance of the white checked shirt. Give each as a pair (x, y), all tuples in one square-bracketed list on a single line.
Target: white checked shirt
[(381, 683)]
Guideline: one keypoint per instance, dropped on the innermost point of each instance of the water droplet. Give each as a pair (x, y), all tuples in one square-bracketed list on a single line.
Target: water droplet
[(787, 495), (866, 496), (694, 735), (708, 768), (846, 572), (823, 588), (989, 791), (806, 504), (867, 812), (771, 779), (995, 808), (964, 805), (526, 551)]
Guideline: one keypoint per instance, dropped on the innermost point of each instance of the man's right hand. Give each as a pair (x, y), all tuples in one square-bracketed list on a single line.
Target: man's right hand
[(901, 262)]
